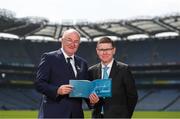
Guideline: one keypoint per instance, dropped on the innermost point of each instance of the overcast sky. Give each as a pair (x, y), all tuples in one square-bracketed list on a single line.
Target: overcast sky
[(91, 10)]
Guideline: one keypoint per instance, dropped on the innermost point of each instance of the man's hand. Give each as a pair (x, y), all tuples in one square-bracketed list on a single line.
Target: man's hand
[(64, 89), (93, 98)]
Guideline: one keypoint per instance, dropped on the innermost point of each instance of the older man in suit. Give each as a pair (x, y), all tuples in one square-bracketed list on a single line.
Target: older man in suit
[(54, 72), (124, 93)]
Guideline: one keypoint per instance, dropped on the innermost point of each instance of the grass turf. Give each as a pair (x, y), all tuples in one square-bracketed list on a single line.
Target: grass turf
[(138, 114)]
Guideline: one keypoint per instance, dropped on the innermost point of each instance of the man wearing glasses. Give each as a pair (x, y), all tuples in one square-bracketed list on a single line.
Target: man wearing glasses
[(124, 93), (54, 72)]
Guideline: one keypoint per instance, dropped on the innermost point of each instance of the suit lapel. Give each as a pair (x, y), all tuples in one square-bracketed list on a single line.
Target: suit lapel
[(63, 62), (114, 70), (61, 56), (99, 71)]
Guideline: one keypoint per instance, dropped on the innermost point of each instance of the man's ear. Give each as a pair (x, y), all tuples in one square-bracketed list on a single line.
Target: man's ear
[(96, 50)]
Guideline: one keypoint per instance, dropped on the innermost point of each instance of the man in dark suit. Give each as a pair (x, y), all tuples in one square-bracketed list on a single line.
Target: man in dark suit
[(54, 72), (124, 93)]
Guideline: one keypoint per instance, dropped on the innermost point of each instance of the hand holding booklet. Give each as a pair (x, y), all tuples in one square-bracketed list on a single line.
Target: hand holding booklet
[(83, 88)]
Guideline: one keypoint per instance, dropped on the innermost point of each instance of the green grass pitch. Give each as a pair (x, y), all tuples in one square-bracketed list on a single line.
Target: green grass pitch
[(138, 114)]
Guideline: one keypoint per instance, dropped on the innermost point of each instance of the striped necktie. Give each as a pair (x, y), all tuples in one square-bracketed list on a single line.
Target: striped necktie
[(105, 76)]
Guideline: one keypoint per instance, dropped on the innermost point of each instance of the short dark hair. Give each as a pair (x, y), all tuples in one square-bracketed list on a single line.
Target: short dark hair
[(106, 40)]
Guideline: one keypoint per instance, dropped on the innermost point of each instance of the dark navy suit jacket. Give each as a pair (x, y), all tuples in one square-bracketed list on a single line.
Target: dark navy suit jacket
[(124, 93), (52, 73)]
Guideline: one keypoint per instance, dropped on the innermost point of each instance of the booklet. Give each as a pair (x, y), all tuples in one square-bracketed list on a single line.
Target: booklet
[(83, 88)]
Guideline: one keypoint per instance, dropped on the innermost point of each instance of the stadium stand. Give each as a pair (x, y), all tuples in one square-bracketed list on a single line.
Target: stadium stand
[(158, 99), (13, 52), (14, 98), (155, 62), (152, 98), (35, 49)]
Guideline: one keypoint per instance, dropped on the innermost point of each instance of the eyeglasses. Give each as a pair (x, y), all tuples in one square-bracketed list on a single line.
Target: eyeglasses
[(107, 49), (69, 41)]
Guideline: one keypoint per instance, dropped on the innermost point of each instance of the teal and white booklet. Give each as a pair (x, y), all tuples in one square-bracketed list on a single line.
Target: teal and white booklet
[(83, 88)]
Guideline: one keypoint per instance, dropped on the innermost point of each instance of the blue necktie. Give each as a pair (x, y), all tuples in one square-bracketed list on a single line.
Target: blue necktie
[(105, 76)]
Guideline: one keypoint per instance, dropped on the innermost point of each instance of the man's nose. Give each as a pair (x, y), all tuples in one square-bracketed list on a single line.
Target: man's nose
[(105, 52)]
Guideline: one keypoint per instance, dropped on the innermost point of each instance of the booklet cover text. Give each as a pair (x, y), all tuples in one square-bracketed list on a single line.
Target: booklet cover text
[(83, 88)]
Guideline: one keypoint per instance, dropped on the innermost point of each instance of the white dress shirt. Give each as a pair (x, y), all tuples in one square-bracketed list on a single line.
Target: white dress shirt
[(71, 61), (109, 68)]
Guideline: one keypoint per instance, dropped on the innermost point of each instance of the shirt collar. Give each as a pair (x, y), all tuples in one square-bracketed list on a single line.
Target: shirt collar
[(109, 65), (65, 55)]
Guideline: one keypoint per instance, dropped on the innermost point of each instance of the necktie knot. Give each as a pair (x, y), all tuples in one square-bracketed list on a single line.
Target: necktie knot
[(69, 59), (106, 68)]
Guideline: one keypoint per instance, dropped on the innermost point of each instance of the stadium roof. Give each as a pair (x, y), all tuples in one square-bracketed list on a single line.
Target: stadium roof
[(121, 29)]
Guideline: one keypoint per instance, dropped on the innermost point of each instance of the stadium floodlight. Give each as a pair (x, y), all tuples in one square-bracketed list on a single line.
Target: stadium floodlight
[(3, 75)]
